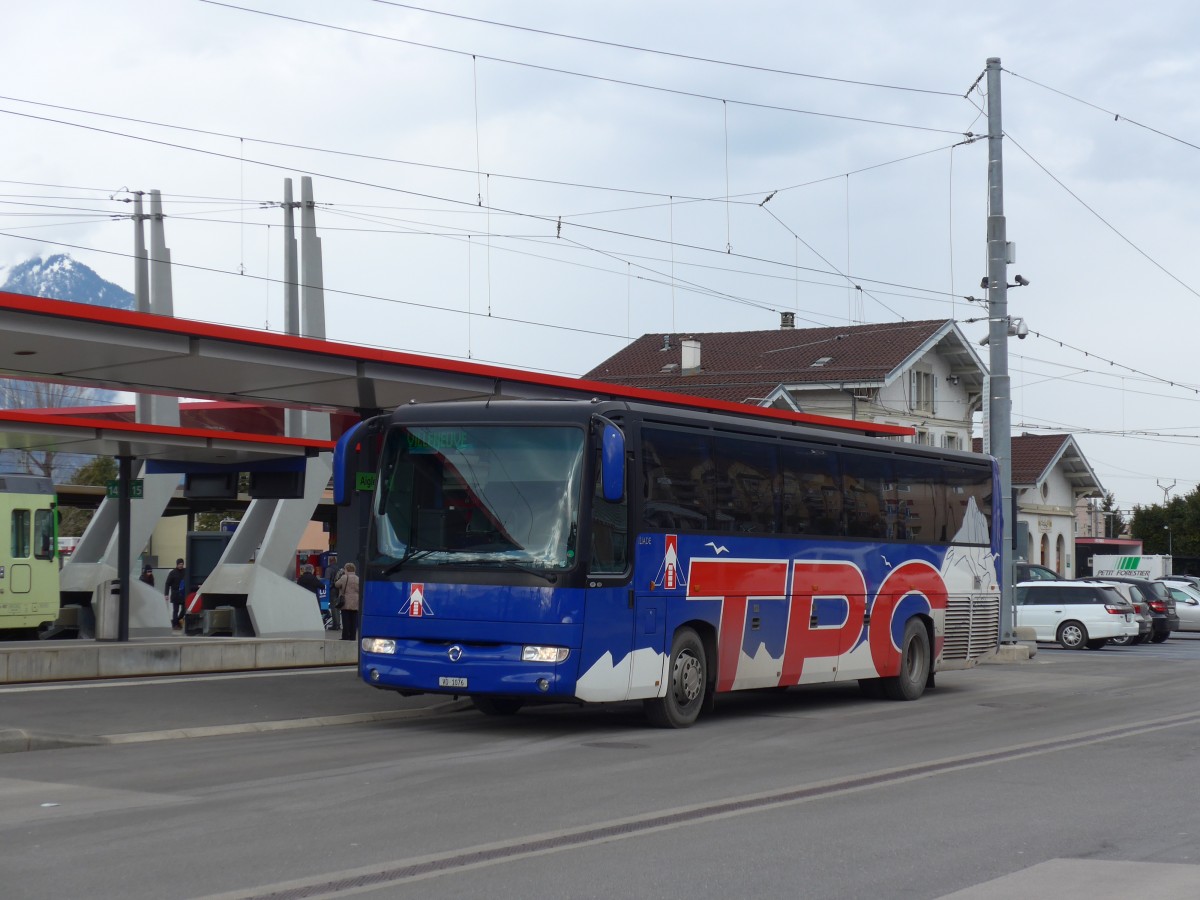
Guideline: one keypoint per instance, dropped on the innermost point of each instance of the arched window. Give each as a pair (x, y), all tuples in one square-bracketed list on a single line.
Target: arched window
[(1060, 557), (1045, 560)]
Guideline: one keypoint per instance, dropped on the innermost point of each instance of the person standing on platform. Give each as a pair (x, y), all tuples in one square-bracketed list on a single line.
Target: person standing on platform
[(347, 585), (173, 591), (310, 582)]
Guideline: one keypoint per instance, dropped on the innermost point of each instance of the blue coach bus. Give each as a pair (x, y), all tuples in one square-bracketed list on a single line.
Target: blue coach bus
[(592, 551)]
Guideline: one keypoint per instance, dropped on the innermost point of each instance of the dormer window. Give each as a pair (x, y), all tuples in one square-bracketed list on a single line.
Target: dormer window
[(823, 361)]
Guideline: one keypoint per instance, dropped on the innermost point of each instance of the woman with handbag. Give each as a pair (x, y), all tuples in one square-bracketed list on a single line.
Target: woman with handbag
[(347, 586)]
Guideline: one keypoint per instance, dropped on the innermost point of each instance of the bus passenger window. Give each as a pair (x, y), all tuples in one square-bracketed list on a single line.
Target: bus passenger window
[(812, 492), (610, 531), (869, 496), (20, 533), (748, 498), (43, 530), (680, 480)]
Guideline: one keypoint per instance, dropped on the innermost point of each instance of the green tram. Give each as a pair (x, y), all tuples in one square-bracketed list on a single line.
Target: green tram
[(28, 553)]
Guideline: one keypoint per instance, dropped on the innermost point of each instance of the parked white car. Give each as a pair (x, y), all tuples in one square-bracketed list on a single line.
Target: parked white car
[(1076, 614), (1141, 613), (1187, 604)]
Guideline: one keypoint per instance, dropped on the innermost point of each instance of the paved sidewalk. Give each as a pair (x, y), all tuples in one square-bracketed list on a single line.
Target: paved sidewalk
[(38, 661)]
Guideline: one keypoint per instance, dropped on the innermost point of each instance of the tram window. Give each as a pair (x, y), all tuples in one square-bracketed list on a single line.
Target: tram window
[(20, 533), (43, 533)]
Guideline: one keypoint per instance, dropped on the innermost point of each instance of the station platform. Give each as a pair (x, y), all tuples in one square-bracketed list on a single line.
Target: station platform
[(83, 658)]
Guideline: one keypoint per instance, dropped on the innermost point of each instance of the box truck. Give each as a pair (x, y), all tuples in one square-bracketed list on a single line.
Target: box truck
[(1131, 566)]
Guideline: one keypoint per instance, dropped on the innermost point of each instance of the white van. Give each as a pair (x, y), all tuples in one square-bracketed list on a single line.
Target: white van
[(1076, 614)]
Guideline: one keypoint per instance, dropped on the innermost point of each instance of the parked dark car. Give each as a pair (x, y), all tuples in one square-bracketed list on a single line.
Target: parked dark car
[(1162, 605), (1034, 572)]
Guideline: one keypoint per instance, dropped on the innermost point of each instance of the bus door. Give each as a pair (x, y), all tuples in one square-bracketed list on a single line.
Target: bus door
[(649, 644)]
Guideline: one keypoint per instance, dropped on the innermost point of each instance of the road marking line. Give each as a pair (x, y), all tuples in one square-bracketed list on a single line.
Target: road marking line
[(406, 870)]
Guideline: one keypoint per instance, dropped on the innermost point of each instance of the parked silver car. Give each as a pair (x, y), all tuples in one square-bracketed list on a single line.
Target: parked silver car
[(1187, 604)]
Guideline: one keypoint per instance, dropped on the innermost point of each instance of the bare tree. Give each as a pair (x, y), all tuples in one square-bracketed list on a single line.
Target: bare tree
[(16, 394)]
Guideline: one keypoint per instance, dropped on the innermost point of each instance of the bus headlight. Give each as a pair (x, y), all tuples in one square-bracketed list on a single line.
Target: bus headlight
[(378, 645), (532, 653)]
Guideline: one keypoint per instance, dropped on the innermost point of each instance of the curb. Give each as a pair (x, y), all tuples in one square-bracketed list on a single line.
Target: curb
[(18, 740)]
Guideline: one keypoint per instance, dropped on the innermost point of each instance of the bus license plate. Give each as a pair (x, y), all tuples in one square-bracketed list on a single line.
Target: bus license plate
[(444, 681)]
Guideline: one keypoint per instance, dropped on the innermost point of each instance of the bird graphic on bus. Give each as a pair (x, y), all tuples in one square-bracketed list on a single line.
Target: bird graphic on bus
[(717, 549)]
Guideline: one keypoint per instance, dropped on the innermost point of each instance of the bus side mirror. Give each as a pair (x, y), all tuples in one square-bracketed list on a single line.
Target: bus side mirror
[(612, 463), (355, 460)]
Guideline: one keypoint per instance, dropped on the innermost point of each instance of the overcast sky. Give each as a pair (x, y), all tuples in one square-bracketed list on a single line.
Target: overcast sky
[(624, 177)]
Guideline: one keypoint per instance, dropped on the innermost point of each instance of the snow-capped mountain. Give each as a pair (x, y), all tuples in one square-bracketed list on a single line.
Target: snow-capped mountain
[(60, 278), (63, 278)]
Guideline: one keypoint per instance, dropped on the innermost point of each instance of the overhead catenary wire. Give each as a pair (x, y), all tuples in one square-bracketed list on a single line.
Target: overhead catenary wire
[(560, 71), (658, 52), (1117, 117), (548, 220)]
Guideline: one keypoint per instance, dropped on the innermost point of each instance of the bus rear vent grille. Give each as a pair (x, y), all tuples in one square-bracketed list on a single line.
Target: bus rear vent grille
[(972, 627)]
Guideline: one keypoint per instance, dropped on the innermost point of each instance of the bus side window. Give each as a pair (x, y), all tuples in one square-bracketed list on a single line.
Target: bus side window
[(680, 480), (815, 507), (749, 498), (610, 531), (43, 530), (20, 533)]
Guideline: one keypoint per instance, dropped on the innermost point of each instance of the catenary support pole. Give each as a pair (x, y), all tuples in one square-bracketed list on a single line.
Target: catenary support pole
[(1000, 399), (124, 476)]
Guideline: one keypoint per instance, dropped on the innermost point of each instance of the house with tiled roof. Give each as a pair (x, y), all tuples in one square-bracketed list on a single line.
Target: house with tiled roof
[(1049, 476), (921, 374)]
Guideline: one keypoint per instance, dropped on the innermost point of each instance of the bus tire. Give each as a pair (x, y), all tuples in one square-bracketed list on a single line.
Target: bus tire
[(687, 674), (497, 706), (914, 664)]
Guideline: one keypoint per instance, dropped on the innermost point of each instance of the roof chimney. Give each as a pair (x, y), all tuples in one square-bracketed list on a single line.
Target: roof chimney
[(691, 357), (666, 342), (787, 320)]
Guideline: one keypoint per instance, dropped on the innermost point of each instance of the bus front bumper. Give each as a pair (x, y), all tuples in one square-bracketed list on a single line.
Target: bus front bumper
[(464, 668)]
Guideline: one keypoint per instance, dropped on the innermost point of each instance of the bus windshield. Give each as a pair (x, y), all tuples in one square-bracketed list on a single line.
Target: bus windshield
[(479, 495)]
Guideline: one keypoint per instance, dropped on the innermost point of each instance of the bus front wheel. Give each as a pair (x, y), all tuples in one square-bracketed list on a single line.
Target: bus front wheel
[(687, 672), (914, 664)]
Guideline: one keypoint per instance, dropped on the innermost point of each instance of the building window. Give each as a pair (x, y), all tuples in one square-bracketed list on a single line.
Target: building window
[(950, 441), (922, 391)]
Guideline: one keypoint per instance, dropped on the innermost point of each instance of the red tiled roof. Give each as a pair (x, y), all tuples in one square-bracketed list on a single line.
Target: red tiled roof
[(745, 365), (1031, 455)]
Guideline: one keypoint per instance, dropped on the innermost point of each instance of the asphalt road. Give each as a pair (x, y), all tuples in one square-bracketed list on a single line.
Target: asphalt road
[(1070, 776)]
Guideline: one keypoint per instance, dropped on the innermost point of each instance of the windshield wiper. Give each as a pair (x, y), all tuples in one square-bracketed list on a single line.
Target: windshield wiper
[(410, 554)]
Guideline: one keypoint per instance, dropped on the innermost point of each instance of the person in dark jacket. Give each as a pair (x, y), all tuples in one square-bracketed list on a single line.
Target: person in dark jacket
[(147, 575), (173, 591), (310, 582)]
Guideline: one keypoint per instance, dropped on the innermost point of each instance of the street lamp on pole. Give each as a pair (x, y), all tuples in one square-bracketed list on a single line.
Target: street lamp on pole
[(1170, 540)]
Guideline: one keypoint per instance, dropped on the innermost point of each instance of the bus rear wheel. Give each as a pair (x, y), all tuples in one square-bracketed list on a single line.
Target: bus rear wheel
[(914, 664), (687, 682)]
